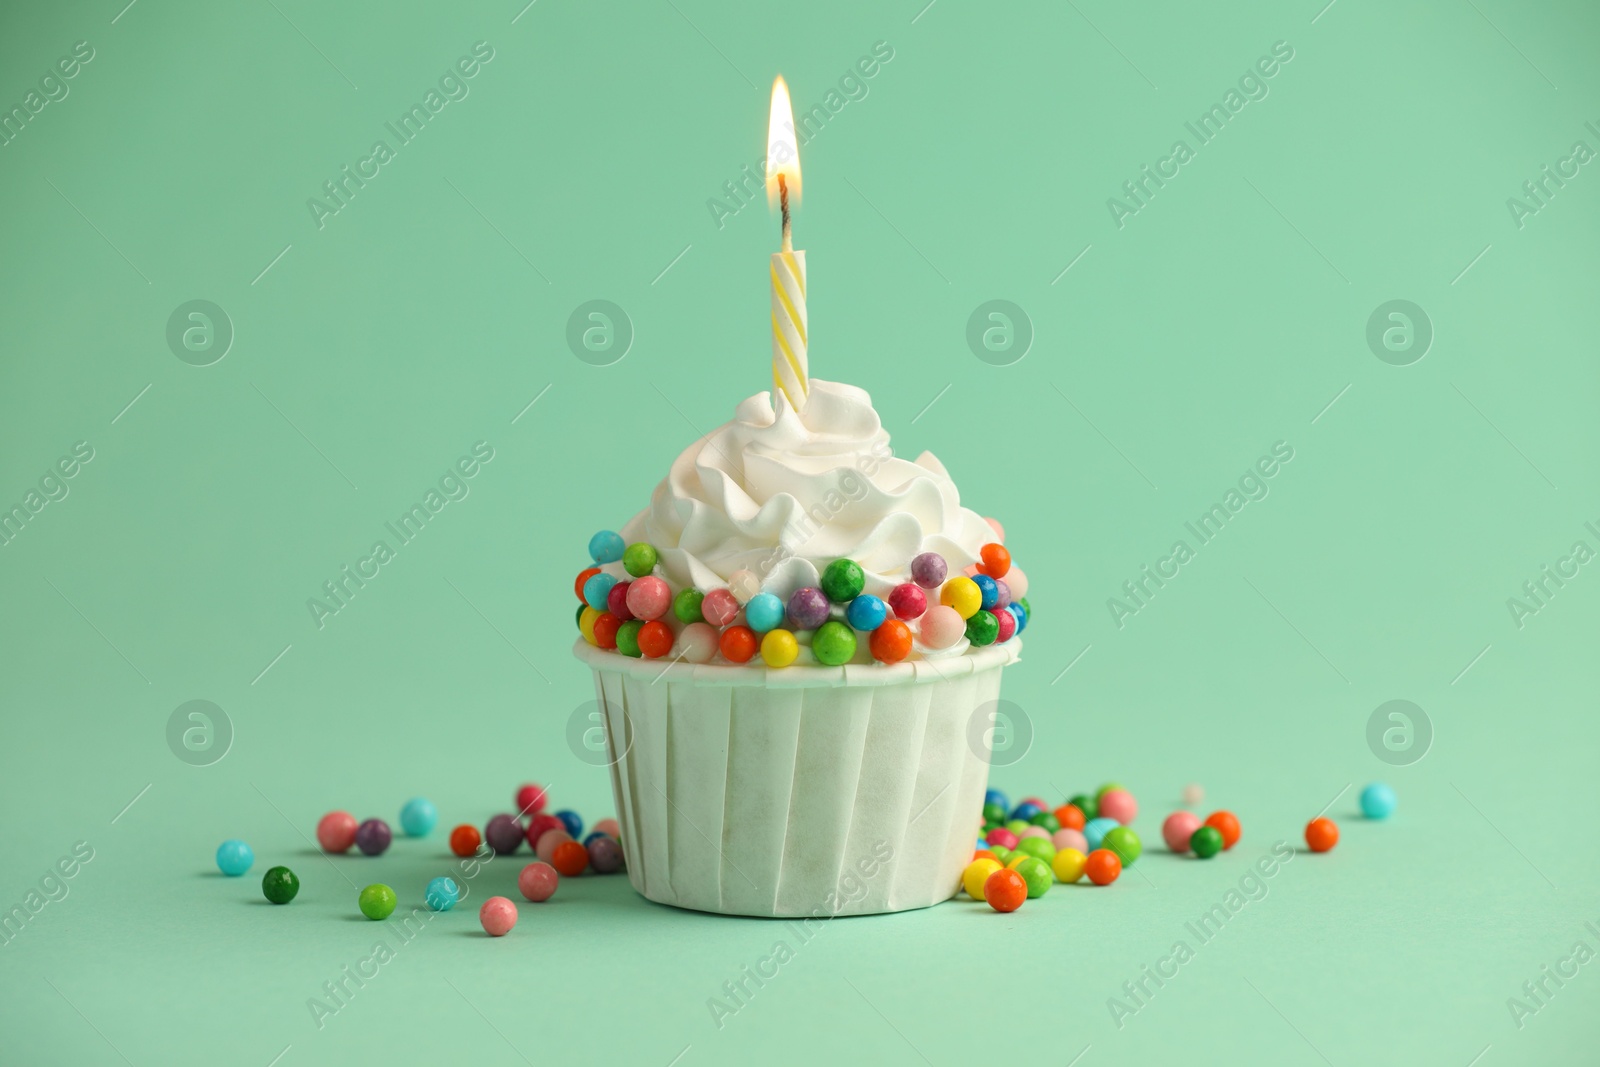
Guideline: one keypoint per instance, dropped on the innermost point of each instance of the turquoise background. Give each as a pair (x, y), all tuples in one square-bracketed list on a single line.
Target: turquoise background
[(1229, 313)]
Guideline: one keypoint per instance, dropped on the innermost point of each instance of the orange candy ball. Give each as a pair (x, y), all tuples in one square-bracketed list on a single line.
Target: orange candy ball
[(465, 839), (605, 630), (1005, 890), (655, 641), (1322, 834), (1070, 816), (738, 644), (995, 560), (583, 576), (1226, 824), (985, 854), (1103, 866), (890, 642), (570, 859)]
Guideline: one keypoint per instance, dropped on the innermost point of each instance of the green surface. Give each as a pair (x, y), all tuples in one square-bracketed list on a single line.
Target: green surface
[(1222, 323)]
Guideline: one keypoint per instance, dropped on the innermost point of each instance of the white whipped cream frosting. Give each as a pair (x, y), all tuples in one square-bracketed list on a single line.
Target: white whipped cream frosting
[(783, 494)]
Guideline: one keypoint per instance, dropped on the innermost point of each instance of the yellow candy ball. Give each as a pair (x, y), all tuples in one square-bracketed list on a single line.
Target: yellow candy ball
[(586, 625), (1016, 861), (977, 873), (1068, 865), (779, 648), (962, 594)]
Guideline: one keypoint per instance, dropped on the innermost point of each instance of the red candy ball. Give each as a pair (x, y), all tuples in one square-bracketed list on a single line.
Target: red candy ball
[(583, 576), (996, 560), (605, 628), (617, 603), (891, 642), (1070, 816), (738, 643), (570, 859), (1008, 624), (541, 823), (530, 799), (908, 601), (655, 641), (465, 839)]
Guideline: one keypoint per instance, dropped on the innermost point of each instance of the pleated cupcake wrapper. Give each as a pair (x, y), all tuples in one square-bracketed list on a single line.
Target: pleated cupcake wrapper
[(802, 791)]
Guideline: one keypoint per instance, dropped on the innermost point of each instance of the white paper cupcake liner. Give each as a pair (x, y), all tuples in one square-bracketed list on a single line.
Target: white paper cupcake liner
[(800, 791)]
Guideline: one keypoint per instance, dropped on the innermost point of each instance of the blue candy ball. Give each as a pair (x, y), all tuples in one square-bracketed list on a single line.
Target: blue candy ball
[(1020, 615), (1378, 801), (994, 796), (234, 858), (596, 589), (1095, 830), (442, 893), (418, 817), (866, 612), (606, 547), (594, 836), (1025, 811), (990, 591), (572, 822), (764, 612)]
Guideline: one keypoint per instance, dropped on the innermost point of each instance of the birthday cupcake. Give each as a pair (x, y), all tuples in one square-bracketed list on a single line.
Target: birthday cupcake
[(794, 647)]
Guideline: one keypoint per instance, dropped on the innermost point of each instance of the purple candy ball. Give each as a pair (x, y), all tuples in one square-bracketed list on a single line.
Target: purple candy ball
[(808, 608), (605, 855), (928, 570), (373, 837), (1004, 592), (504, 833)]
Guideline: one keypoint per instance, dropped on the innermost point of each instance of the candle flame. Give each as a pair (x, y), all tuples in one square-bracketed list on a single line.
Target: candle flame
[(783, 155)]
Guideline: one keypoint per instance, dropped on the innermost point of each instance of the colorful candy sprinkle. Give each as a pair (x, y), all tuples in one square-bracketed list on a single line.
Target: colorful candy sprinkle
[(279, 885), (834, 643), (336, 832), (465, 839), (538, 882), (928, 570), (442, 893), (843, 580), (373, 837), (639, 559), (498, 915), (1322, 834), (606, 547), (377, 901), (1378, 801), (234, 858), (779, 648)]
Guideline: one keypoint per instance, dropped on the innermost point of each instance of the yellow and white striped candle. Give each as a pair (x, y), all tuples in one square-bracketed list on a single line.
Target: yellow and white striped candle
[(790, 372)]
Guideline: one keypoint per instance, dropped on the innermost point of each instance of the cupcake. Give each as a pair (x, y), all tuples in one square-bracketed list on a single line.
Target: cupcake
[(795, 647)]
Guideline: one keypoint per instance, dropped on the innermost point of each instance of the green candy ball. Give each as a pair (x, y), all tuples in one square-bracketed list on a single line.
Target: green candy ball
[(1027, 612), (279, 885), (994, 814), (686, 605), (833, 643), (1002, 854), (377, 901), (1048, 820), (628, 638), (1038, 848), (1124, 842), (1016, 826), (843, 581), (1086, 804), (639, 560), (983, 628), (1206, 842), (1037, 875)]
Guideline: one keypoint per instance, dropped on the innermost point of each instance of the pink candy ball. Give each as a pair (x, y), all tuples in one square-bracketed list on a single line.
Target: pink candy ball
[(697, 643), (908, 601), (1008, 625), (609, 827), (1035, 831), (546, 846), (498, 915), (538, 882), (719, 607), (530, 799), (942, 626), (1017, 582), (1119, 804), (999, 531), (1002, 837), (617, 601), (337, 831), (1179, 827), (649, 597), (1067, 838)]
